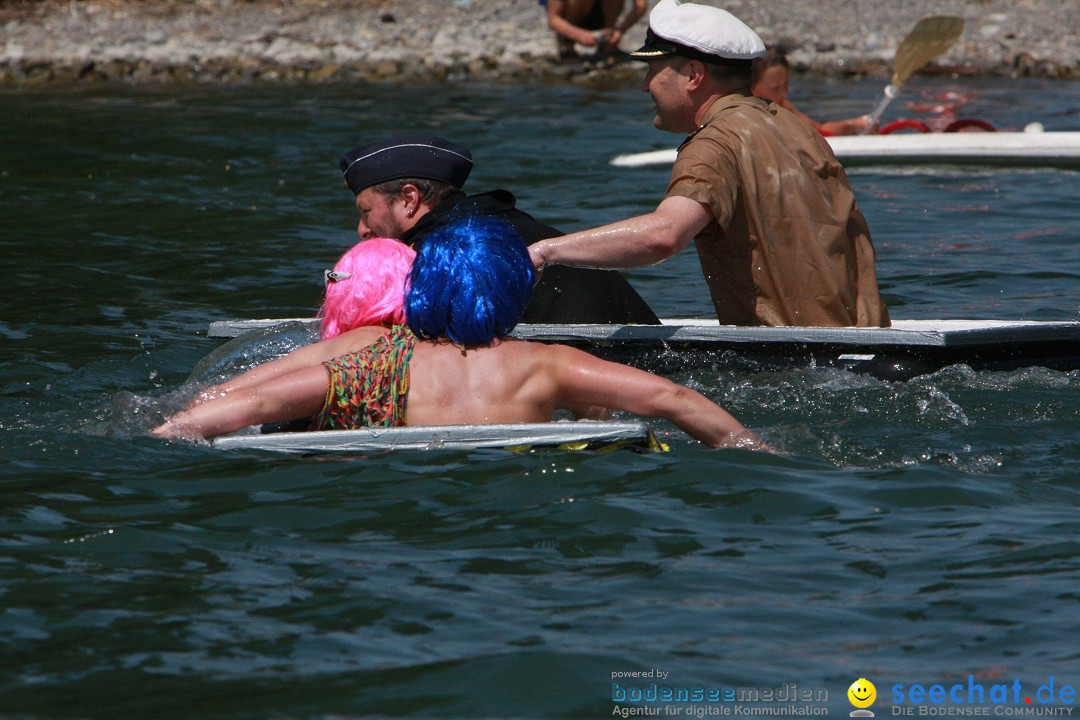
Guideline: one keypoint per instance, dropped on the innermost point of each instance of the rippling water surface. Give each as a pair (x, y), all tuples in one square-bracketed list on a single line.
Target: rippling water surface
[(915, 532)]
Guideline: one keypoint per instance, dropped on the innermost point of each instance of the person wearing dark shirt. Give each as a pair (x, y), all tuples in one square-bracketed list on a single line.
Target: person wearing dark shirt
[(406, 186)]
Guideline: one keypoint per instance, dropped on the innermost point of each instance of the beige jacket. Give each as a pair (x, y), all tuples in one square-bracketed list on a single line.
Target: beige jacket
[(789, 245)]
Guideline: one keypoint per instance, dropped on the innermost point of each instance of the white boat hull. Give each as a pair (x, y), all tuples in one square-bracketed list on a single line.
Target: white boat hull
[(1060, 149)]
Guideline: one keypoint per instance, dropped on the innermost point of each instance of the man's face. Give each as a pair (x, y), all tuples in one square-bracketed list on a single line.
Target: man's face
[(666, 81), (772, 84), (382, 215)]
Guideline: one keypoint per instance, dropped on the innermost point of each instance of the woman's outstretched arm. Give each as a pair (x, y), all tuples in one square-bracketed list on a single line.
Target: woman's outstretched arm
[(582, 377), (307, 356), (284, 397)]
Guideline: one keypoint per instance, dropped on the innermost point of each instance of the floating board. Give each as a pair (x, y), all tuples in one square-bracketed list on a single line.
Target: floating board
[(1059, 149), (907, 349), (570, 435)]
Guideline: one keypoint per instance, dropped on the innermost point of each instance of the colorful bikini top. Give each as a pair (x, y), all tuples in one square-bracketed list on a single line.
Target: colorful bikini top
[(369, 387)]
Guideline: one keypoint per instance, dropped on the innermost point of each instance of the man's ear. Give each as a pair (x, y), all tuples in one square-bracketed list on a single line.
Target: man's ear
[(411, 195), (696, 72)]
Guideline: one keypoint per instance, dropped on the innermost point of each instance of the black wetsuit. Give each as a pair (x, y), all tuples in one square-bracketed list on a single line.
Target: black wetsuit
[(564, 294)]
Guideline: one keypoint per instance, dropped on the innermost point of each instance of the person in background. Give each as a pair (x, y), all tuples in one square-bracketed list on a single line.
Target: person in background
[(406, 186), (771, 73), (454, 364), (779, 235), (592, 23)]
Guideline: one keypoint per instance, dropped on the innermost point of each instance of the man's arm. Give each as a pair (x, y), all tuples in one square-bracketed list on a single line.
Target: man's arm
[(632, 16), (638, 241)]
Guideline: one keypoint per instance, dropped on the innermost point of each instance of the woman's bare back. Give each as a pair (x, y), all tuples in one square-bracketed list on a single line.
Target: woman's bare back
[(506, 382)]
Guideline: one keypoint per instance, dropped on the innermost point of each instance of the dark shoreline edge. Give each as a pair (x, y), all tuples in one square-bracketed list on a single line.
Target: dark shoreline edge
[(25, 75), (45, 43)]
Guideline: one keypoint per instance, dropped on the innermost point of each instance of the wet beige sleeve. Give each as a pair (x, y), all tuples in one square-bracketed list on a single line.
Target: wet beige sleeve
[(707, 172)]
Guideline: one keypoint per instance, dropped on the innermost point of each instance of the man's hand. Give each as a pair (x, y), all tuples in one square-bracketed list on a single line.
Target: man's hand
[(538, 261), (536, 254)]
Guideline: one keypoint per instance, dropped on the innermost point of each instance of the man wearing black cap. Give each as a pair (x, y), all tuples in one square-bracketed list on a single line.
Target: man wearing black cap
[(779, 236), (406, 186)]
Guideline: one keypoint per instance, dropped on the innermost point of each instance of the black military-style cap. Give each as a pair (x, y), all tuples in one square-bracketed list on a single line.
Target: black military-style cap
[(406, 156)]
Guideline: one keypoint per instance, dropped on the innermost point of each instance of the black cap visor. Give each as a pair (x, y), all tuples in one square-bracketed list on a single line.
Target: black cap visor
[(656, 47)]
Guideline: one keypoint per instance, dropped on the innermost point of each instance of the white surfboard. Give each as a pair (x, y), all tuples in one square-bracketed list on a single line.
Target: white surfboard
[(568, 434), (1059, 149)]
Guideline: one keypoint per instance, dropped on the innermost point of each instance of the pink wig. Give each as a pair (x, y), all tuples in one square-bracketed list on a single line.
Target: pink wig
[(374, 292)]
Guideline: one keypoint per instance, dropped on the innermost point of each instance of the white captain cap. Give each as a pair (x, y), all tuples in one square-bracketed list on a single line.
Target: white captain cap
[(700, 32)]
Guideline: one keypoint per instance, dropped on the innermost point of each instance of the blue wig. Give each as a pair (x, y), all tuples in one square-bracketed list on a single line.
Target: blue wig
[(470, 281)]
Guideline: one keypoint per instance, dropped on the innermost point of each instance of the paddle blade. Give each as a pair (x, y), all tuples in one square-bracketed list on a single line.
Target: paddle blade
[(931, 36)]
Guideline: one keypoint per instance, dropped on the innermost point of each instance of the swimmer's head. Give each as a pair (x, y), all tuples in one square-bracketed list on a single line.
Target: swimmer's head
[(771, 73), (367, 287), (470, 282)]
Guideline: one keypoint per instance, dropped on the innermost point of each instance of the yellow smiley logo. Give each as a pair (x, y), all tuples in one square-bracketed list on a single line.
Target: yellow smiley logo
[(862, 693)]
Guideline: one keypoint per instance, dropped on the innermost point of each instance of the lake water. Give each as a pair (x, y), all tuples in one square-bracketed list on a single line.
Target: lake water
[(915, 533)]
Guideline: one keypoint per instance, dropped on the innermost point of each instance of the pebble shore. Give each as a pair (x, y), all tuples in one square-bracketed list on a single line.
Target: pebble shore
[(154, 41)]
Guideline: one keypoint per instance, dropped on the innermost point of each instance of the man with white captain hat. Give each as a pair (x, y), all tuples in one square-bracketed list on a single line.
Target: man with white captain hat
[(779, 235)]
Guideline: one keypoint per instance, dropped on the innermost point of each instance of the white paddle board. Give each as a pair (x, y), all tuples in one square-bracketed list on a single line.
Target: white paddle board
[(1059, 149), (568, 434)]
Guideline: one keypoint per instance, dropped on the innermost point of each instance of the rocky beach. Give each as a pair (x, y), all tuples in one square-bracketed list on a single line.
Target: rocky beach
[(60, 42)]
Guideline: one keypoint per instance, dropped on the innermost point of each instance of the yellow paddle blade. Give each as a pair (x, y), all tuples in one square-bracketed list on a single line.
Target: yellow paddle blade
[(931, 36)]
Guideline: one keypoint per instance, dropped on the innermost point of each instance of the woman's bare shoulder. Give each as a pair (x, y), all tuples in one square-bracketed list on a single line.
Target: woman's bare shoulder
[(538, 351), (349, 342), (362, 334)]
